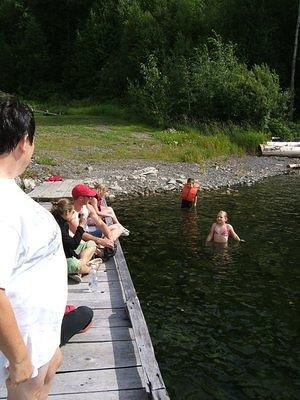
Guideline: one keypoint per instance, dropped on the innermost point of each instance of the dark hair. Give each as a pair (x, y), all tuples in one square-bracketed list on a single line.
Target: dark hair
[(16, 121), (60, 207)]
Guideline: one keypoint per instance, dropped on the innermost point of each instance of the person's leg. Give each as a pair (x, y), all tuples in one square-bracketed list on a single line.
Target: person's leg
[(87, 251), (111, 212), (116, 231), (37, 388), (74, 322), (53, 366)]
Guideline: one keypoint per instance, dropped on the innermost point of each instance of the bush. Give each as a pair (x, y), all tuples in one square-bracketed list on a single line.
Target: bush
[(150, 97), (211, 85)]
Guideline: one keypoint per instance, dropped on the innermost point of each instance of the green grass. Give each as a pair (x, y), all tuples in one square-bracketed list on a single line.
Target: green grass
[(104, 132)]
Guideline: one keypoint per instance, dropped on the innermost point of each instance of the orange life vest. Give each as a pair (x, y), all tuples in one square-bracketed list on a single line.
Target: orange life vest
[(189, 192)]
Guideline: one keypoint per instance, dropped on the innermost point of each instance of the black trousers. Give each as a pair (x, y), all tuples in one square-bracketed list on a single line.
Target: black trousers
[(74, 322)]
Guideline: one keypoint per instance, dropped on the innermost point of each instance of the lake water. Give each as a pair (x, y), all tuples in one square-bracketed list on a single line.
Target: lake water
[(223, 323)]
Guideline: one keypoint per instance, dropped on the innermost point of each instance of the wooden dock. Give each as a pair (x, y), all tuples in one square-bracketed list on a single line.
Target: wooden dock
[(115, 358)]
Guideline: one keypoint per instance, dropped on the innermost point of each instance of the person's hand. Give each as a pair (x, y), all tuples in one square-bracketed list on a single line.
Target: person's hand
[(82, 220), (106, 242), (19, 372)]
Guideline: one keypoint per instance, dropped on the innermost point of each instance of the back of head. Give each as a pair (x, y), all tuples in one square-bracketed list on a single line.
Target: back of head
[(60, 207), (100, 187), (16, 121)]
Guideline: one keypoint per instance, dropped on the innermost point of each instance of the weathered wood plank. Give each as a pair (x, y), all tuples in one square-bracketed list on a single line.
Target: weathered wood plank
[(138, 394), (104, 275), (155, 383), (99, 385), (83, 287), (98, 381), (109, 295), (99, 356), (111, 318), (49, 191), (106, 334)]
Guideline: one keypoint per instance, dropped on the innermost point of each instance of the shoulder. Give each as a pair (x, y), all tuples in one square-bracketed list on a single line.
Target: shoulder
[(229, 227)]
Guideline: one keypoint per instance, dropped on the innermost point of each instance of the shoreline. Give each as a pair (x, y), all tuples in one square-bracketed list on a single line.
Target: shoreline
[(142, 177)]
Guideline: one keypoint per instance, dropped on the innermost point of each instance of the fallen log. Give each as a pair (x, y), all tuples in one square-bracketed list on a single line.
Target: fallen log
[(287, 149), (293, 166)]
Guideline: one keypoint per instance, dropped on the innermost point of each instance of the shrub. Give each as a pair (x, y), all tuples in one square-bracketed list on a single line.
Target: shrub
[(212, 85), (150, 97)]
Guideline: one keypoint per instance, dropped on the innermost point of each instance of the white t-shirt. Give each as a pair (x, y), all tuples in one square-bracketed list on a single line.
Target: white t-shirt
[(33, 272)]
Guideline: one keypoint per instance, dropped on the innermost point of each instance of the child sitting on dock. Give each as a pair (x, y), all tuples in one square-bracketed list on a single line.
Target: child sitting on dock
[(220, 230), (189, 194), (98, 202), (78, 252)]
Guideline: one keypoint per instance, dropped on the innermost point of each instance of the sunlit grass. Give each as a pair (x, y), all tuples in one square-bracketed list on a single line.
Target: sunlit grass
[(103, 132)]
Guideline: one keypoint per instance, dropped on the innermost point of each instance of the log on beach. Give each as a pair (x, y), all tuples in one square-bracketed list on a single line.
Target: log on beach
[(288, 149)]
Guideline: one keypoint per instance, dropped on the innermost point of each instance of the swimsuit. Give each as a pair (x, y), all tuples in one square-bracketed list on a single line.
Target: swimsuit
[(224, 231)]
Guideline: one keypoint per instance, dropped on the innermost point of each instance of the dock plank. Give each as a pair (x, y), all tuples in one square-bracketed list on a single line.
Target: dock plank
[(110, 318), (98, 381), (138, 394), (107, 334), (99, 356), (50, 191)]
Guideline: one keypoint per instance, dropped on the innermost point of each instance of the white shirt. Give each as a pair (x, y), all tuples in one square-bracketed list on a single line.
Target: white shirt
[(33, 272)]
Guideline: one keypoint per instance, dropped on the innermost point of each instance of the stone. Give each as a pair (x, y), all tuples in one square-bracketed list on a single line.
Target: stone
[(29, 184)]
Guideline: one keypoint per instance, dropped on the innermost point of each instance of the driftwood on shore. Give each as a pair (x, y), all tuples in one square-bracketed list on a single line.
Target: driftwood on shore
[(45, 112), (288, 149), (294, 166)]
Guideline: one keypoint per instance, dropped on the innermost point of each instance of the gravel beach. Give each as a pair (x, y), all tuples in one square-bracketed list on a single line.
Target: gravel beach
[(142, 177)]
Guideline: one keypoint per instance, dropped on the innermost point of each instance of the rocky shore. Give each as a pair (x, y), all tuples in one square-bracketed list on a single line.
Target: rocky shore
[(141, 178)]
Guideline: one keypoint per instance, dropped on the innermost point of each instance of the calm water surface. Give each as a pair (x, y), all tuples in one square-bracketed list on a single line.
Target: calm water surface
[(223, 324)]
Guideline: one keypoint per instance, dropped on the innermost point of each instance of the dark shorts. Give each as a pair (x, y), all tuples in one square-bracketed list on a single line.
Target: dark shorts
[(74, 322), (186, 204)]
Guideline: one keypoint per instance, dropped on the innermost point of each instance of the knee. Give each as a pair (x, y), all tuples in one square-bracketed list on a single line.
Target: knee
[(90, 244)]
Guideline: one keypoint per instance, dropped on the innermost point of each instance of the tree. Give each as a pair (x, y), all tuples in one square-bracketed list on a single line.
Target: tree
[(294, 62)]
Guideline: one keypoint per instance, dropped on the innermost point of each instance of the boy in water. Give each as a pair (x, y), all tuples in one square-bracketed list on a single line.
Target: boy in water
[(189, 194)]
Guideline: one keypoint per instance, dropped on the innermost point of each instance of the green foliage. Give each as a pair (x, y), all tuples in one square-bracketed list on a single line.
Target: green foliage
[(212, 85), (151, 97), (45, 160), (248, 140)]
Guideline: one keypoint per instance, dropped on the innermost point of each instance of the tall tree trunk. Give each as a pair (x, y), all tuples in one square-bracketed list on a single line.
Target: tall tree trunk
[(294, 62)]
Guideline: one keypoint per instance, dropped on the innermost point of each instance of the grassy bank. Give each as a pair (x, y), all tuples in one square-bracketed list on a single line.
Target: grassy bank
[(108, 132)]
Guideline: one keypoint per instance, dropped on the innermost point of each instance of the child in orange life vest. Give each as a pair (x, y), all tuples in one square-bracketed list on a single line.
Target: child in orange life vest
[(189, 194), (220, 230)]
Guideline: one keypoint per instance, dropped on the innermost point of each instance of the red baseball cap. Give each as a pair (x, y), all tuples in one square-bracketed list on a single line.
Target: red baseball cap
[(83, 190)]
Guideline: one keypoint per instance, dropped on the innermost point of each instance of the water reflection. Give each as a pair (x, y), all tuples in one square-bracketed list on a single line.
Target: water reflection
[(189, 220), (223, 321)]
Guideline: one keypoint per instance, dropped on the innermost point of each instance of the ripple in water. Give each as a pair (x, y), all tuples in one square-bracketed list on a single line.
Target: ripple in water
[(223, 323)]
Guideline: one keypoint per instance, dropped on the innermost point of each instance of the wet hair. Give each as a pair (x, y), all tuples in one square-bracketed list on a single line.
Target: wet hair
[(60, 207), (190, 180), (16, 121), (224, 212)]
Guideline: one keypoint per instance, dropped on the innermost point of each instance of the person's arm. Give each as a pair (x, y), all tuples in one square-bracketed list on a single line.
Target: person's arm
[(195, 201), (233, 234), (69, 241), (12, 344), (211, 234)]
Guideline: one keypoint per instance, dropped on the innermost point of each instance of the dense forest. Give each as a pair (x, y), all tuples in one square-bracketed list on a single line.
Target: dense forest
[(172, 60)]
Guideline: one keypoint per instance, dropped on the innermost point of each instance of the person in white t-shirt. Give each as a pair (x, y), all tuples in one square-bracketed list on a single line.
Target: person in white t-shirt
[(31, 253)]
